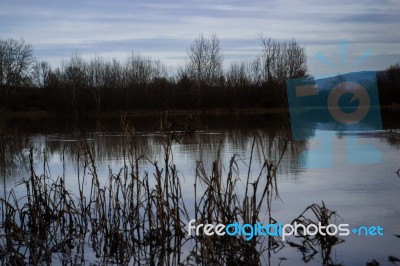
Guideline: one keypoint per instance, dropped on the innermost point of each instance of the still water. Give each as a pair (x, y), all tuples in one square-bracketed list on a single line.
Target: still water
[(352, 173)]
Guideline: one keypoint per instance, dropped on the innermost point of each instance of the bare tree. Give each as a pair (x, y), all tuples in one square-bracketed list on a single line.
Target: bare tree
[(16, 59), (138, 70), (75, 80), (158, 71), (269, 55), (40, 74), (96, 80), (237, 75), (296, 60), (114, 75), (205, 61), (255, 72), (393, 83), (282, 60)]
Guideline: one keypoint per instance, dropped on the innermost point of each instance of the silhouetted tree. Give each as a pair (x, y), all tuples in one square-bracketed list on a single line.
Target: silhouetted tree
[(281, 61), (268, 57), (140, 82), (74, 79), (205, 61), (237, 75), (16, 59), (40, 74), (393, 80), (254, 70), (97, 80), (203, 68)]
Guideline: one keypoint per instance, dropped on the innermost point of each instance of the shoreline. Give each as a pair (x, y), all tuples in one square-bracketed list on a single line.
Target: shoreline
[(175, 112)]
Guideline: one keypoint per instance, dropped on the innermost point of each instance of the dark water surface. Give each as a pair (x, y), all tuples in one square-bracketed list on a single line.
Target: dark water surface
[(359, 181)]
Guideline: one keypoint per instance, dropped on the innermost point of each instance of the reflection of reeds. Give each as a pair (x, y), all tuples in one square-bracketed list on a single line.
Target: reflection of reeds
[(128, 215), (222, 202), (125, 216), (134, 216), (44, 222), (314, 215)]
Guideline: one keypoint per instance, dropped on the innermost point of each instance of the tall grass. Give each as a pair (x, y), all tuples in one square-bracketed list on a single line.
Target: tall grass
[(138, 215), (45, 222), (223, 202)]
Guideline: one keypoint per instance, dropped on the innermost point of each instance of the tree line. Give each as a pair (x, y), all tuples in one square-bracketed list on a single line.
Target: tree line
[(139, 82)]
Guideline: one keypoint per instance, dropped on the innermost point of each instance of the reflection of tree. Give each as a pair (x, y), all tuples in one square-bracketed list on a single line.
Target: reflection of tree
[(140, 216), (11, 152), (392, 138), (198, 138)]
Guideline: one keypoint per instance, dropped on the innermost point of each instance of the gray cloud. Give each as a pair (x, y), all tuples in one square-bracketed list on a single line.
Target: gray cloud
[(165, 30)]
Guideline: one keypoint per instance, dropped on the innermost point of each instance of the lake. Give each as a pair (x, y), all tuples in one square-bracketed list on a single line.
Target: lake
[(190, 156)]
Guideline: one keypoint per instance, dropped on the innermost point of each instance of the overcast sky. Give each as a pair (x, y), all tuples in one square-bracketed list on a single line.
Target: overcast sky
[(165, 30)]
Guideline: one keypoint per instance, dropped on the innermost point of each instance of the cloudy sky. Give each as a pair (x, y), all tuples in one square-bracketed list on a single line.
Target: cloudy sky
[(335, 34)]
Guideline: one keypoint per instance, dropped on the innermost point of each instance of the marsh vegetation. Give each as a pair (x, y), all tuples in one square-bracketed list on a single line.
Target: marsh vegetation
[(135, 210)]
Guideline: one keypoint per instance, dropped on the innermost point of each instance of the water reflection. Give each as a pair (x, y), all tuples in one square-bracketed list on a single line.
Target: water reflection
[(255, 152), (233, 134)]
